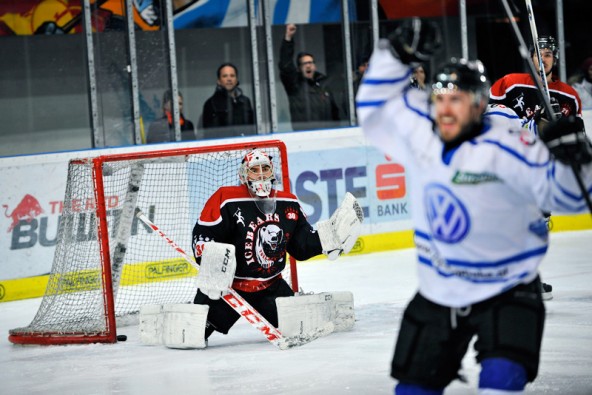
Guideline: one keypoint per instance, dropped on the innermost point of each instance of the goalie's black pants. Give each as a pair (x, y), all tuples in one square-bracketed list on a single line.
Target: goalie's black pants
[(221, 317), (433, 339)]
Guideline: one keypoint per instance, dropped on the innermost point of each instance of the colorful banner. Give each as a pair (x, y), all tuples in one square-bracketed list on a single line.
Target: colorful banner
[(55, 17)]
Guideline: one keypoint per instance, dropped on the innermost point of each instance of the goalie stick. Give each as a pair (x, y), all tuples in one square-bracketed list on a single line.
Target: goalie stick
[(241, 306), (545, 97)]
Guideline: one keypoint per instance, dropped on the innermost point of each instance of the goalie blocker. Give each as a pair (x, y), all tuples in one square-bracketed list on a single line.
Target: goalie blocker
[(339, 233)]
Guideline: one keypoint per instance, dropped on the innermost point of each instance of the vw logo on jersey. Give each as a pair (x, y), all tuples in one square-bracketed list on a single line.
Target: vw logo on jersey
[(447, 216)]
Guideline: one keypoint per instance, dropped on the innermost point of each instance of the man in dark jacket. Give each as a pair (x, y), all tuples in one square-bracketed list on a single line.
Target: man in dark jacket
[(228, 108), (312, 104)]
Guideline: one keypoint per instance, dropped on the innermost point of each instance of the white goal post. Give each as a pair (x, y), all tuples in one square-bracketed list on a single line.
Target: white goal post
[(106, 263)]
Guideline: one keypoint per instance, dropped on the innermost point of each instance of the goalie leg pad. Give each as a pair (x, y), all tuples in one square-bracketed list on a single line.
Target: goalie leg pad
[(151, 324), (344, 318), (303, 314), (184, 326)]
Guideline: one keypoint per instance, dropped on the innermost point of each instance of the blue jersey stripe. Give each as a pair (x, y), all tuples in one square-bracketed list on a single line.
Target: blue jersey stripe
[(511, 279), (515, 154), (415, 110), (381, 81), (373, 103)]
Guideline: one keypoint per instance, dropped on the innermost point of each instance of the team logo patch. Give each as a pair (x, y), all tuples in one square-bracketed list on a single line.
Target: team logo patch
[(291, 214), (461, 177), (447, 216), (239, 217), (270, 245)]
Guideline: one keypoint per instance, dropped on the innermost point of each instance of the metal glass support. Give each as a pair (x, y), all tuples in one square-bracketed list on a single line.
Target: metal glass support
[(348, 60), (98, 138), (374, 21), (267, 20), (132, 69), (561, 39), (170, 29), (252, 13), (462, 4)]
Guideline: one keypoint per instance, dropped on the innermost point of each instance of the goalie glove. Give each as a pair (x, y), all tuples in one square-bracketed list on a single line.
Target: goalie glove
[(216, 271), (567, 141), (339, 233)]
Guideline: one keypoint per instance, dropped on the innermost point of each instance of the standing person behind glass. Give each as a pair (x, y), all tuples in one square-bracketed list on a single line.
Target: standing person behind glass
[(162, 130), (418, 78), (584, 86), (228, 107), (359, 72), (312, 104)]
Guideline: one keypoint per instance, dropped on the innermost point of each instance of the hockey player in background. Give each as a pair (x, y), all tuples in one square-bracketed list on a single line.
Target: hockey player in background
[(477, 185), (263, 224), (519, 92)]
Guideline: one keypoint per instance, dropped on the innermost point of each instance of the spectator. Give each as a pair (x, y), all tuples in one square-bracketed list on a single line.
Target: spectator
[(228, 107), (312, 104), (359, 72), (584, 86), (162, 130), (418, 78)]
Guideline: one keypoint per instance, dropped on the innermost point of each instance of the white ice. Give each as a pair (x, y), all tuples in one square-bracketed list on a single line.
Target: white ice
[(355, 362)]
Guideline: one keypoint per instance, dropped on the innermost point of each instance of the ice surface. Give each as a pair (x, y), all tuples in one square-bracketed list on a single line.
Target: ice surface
[(355, 362)]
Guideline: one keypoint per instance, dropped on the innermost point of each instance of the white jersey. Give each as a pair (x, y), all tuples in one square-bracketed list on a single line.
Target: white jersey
[(477, 208)]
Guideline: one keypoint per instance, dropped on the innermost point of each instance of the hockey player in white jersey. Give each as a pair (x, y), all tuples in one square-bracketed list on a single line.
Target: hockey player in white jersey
[(478, 185)]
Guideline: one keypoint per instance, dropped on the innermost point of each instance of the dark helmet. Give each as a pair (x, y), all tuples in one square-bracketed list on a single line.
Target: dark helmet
[(462, 75), (547, 42)]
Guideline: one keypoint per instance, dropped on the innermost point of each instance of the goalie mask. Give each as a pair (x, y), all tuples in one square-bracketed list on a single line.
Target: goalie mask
[(256, 171)]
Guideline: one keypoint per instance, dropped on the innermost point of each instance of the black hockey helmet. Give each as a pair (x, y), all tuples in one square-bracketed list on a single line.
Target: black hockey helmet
[(462, 75), (547, 42)]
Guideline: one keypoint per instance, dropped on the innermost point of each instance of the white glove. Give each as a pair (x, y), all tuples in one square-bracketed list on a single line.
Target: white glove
[(216, 271), (339, 233)]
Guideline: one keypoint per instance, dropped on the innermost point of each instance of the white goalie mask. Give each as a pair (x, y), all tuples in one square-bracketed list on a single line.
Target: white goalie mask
[(257, 172)]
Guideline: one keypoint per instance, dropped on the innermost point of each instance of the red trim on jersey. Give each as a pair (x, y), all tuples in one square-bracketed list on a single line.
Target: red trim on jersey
[(510, 81), (211, 210), (253, 285)]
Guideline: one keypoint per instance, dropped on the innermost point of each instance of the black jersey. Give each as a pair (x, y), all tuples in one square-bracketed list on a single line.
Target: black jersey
[(518, 92), (261, 240)]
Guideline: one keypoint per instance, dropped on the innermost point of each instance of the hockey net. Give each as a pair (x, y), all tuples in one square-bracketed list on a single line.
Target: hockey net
[(106, 263)]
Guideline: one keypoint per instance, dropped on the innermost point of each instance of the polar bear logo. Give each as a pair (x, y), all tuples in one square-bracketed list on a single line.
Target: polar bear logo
[(270, 245)]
